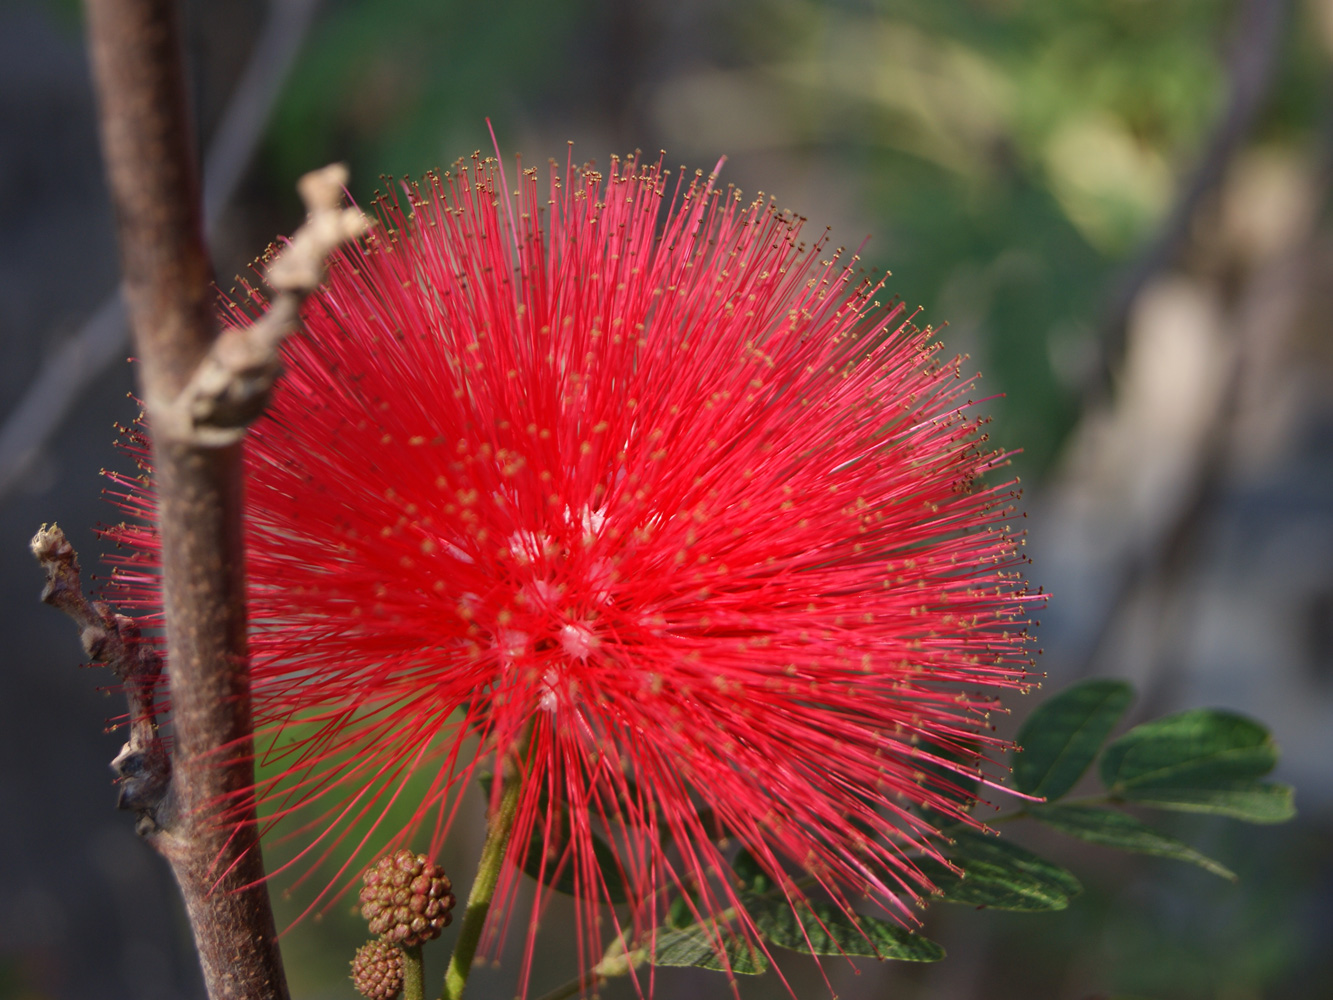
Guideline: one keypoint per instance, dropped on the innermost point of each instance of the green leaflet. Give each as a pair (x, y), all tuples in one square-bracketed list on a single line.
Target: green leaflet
[(605, 856), (823, 929), (1061, 738), (607, 864), (1202, 748), (1199, 761), (957, 788), (679, 914), (694, 947), (1110, 828), (1253, 802), (1000, 875), (754, 881)]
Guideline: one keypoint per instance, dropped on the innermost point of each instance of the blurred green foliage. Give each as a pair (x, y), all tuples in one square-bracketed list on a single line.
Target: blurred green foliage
[(402, 86), (1013, 153)]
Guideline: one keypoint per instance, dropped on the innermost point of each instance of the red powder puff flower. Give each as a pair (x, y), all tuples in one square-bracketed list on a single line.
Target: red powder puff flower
[(621, 475)]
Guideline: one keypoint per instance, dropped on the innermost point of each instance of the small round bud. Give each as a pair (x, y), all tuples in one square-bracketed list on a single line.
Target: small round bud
[(377, 970), (407, 899)]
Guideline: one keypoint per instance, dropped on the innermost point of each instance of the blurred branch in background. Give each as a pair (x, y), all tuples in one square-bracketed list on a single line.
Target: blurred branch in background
[(1255, 46), (1171, 531), (1199, 341), (1160, 520), (104, 338), (1265, 311)]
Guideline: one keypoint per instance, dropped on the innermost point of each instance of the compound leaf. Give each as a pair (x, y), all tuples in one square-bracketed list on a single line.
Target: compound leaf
[(1000, 875), (823, 929)]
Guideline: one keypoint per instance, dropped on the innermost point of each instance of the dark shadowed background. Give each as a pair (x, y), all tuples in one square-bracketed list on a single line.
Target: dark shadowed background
[(1121, 209)]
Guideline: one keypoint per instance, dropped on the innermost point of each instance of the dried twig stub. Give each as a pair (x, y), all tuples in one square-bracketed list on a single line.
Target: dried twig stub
[(143, 767), (231, 386)]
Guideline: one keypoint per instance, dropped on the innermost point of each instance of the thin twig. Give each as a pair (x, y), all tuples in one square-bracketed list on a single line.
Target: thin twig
[(616, 962), (237, 135), (101, 341), (114, 639)]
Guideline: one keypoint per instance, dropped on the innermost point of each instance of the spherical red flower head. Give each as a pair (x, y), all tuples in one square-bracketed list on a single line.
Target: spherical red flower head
[(620, 475)]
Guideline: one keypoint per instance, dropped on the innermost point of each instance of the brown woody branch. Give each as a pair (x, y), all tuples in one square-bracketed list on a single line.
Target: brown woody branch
[(199, 391), (146, 142)]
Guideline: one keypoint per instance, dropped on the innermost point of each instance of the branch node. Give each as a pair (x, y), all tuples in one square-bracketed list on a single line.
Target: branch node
[(95, 639), (144, 775), (231, 386)]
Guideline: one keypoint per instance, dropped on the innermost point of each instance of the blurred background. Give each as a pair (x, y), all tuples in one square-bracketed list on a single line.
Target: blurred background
[(1119, 207)]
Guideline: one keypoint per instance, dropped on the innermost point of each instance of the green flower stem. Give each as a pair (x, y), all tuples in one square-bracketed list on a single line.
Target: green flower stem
[(616, 962), (500, 826), (413, 986)]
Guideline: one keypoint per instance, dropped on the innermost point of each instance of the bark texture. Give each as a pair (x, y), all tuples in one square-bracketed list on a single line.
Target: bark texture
[(148, 148)]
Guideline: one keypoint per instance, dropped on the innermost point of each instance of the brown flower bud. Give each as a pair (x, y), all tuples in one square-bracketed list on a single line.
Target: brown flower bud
[(407, 899), (377, 970)]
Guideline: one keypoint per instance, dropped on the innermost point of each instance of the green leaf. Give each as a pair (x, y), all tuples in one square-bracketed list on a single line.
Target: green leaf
[(1254, 801), (824, 929), (693, 947), (1203, 748), (606, 859), (750, 873), (1061, 738), (1123, 832), (958, 789), (680, 914), (1001, 875)]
